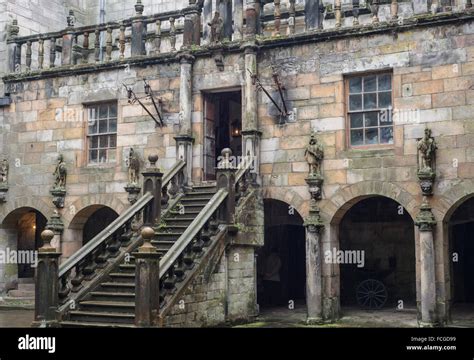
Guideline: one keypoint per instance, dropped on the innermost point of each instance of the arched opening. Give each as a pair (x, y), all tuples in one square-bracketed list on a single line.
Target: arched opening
[(85, 225), (376, 257), (281, 271), (461, 258), (22, 231)]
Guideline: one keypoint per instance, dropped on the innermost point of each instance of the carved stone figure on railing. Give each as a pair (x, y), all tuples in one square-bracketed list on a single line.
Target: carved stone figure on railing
[(3, 180), (59, 188), (133, 167), (217, 25), (426, 162), (314, 155), (71, 19), (60, 173)]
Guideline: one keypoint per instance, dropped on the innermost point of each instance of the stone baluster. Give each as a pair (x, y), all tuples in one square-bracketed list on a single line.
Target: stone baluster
[(138, 31), (147, 276), (152, 181), (172, 34), (291, 17), (97, 45), (85, 48), (14, 48), (47, 284), (355, 12), (68, 39), (277, 16), (108, 44), (338, 13), (40, 53), (375, 11), (122, 41), (28, 55), (394, 10), (52, 52), (158, 37)]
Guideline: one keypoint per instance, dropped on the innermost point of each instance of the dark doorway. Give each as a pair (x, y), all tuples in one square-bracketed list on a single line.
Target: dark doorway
[(222, 128), (97, 222), (284, 250), (461, 227), (378, 233)]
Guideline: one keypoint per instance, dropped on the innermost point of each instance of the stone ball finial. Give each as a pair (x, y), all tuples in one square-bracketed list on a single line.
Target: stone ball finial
[(153, 159), (47, 236), (147, 234), (227, 153)]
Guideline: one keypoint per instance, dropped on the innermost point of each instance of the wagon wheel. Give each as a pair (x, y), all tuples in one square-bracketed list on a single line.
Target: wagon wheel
[(371, 294)]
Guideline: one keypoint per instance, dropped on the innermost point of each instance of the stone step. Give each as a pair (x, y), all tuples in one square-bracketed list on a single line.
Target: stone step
[(122, 277), (102, 317), (26, 280), (108, 306), (81, 324), (21, 294), (26, 287), (112, 296), (122, 287)]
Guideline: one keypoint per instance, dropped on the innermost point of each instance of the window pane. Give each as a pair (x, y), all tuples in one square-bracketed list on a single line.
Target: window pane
[(355, 102), (113, 141), (104, 142), (113, 125), (370, 83), (385, 82), (370, 101), (386, 135), (102, 126), (371, 119), (112, 111), (93, 156), (103, 156), (385, 99), (371, 136), (355, 85), (103, 111), (386, 116), (357, 137), (94, 142), (356, 120), (92, 126)]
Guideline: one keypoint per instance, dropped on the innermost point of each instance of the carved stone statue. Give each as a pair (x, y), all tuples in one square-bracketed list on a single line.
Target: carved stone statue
[(427, 151), (217, 25), (314, 155), (60, 173), (133, 167), (4, 172)]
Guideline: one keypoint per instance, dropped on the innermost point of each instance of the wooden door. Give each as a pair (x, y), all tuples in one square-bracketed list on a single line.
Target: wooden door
[(210, 114)]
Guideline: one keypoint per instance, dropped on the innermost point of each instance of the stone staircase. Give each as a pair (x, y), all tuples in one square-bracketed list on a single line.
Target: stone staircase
[(21, 297), (112, 302)]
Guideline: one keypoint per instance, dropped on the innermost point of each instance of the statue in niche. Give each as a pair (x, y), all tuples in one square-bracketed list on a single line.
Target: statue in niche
[(133, 167), (427, 151), (4, 168), (314, 155), (60, 173), (217, 25)]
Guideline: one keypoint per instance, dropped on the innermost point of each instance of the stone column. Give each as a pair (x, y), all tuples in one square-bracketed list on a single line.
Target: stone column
[(426, 222), (138, 31), (152, 181), (238, 19), (147, 280), (225, 176), (184, 140), (314, 226), (68, 39), (313, 18), (47, 283)]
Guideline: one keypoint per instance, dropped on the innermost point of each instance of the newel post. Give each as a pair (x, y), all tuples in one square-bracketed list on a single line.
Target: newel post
[(47, 283), (68, 40), (152, 181), (225, 175), (14, 48), (138, 31), (147, 281)]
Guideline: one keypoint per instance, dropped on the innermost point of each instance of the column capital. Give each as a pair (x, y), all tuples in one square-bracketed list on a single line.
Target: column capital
[(313, 222), (425, 219), (186, 58)]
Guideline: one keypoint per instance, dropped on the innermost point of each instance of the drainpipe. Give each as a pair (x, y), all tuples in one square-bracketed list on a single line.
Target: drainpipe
[(101, 21)]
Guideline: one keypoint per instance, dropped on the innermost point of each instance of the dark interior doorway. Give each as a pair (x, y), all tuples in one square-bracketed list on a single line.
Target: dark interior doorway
[(284, 249), (382, 231), (461, 229), (222, 128), (97, 222)]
